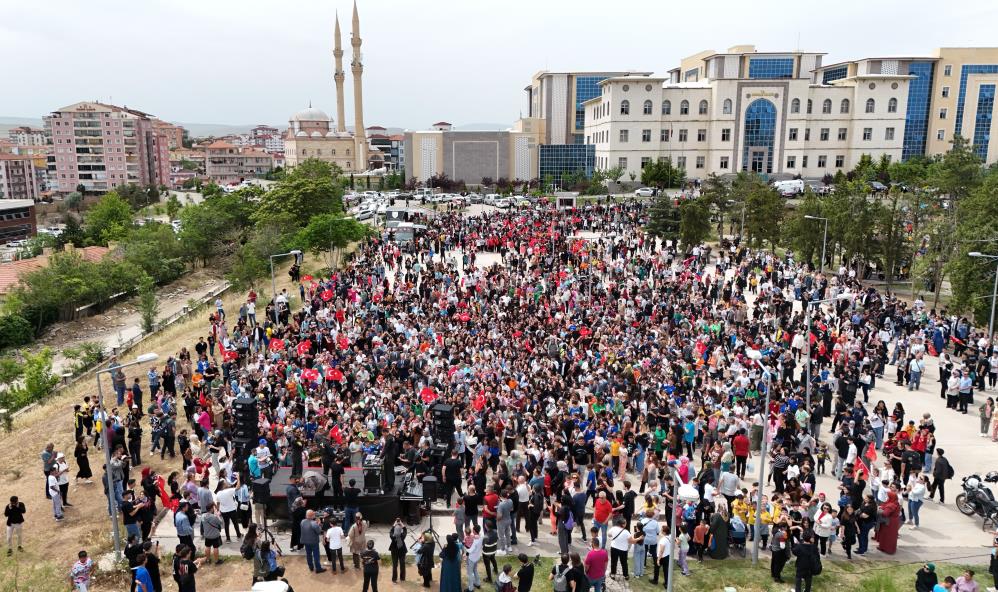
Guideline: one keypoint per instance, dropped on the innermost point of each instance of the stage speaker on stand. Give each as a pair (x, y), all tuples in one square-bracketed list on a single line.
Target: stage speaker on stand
[(246, 416)]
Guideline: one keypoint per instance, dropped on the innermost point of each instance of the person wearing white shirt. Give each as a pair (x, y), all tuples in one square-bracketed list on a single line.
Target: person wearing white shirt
[(620, 543), (664, 551), (333, 538), (226, 502)]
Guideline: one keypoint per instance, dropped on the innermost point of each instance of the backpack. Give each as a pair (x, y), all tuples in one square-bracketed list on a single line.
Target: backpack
[(816, 571), (950, 473), (560, 579), (247, 550)]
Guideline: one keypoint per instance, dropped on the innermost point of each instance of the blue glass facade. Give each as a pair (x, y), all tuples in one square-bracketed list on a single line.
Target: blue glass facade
[(760, 135), (771, 68), (916, 120), (962, 97), (558, 159), (586, 87), (982, 122), (833, 74)]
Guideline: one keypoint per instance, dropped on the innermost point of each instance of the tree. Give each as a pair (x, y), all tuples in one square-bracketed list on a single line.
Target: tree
[(717, 194), (135, 196), (972, 279), (72, 234), (73, 200), (15, 331), (155, 249), (663, 219), (173, 206), (804, 236), (694, 221), (217, 225), (109, 219), (763, 215), (329, 232), (148, 305), (487, 182), (310, 189)]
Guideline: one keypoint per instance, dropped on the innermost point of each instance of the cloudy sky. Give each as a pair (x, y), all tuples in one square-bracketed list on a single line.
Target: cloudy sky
[(465, 61)]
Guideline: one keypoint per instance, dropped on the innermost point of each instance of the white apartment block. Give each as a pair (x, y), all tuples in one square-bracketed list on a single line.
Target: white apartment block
[(780, 114)]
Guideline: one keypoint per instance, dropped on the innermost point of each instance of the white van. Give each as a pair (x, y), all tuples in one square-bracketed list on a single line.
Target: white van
[(789, 188)]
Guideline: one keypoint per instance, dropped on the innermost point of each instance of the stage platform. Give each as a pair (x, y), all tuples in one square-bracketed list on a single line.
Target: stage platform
[(377, 508)]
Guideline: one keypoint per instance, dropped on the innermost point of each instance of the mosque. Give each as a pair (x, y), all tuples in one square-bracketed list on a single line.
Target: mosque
[(313, 134)]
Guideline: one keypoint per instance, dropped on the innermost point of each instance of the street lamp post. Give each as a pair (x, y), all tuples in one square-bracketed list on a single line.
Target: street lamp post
[(824, 237), (768, 379), (994, 291), (807, 340), (681, 492), (142, 359)]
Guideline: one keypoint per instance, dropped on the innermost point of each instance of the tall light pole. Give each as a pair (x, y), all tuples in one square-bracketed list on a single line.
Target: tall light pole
[(681, 492), (994, 291), (112, 503), (807, 339), (824, 237), (273, 282), (767, 377)]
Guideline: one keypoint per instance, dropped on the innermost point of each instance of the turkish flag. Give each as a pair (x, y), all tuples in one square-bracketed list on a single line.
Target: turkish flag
[(334, 374), (303, 347), (585, 332), (309, 374), (230, 356), (306, 278), (342, 342), (276, 345), (427, 395), (326, 295)]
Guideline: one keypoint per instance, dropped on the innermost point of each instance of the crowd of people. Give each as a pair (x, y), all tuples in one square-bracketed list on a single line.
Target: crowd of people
[(590, 368)]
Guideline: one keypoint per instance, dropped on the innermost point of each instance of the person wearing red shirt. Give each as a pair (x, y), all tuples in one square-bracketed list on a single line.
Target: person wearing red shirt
[(491, 501), (601, 515), (740, 446)]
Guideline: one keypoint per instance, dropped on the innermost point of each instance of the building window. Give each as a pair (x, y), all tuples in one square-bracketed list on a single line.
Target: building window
[(681, 162), (791, 162), (823, 136), (947, 70), (844, 106), (684, 107), (701, 135), (945, 92), (867, 134), (840, 161), (701, 160), (803, 162), (807, 134), (892, 105), (625, 107), (724, 162), (826, 106), (664, 135), (624, 136), (726, 134), (941, 135), (793, 134), (622, 162), (809, 106), (795, 106), (702, 109), (870, 105), (726, 108), (889, 134), (666, 107), (646, 135), (842, 134), (771, 68), (646, 108), (682, 135), (942, 113), (645, 161), (822, 161)]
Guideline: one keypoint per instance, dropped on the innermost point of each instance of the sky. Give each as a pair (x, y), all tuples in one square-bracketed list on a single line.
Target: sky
[(464, 61)]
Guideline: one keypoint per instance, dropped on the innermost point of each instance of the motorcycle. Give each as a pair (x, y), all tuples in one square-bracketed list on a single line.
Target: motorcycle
[(977, 498)]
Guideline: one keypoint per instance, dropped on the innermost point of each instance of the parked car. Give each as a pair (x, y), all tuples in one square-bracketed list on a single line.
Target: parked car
[(877, 187), (644, 192), (502, 203), (790, 187)]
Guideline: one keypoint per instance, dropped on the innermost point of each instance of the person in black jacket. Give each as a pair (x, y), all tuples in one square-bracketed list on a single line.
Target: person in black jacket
[(941, 471), (926, 578), (808, 563)]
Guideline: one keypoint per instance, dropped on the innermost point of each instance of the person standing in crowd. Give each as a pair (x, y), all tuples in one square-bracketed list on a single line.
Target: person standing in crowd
[(397, 548), (333, 538), (450, 565), (14, 513), (185, 568), (525, 574), (81, 572), (808, 563), (371, 560), (55, 494), (211, 531), (357, 537), (311, 535)]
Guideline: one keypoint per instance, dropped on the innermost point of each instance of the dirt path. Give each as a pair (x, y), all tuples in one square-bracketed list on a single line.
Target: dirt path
[(122, 322)]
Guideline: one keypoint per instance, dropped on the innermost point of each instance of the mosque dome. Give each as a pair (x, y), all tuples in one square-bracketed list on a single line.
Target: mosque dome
[(311, 114)]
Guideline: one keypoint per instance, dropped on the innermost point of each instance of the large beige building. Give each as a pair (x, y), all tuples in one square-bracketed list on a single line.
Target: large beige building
[(961, 100), (314, 134), (470, 156)]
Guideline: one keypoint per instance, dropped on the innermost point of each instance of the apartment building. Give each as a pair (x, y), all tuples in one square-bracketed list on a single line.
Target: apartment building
[(27, 136), (226, 163), (102, 146), (18, 179)]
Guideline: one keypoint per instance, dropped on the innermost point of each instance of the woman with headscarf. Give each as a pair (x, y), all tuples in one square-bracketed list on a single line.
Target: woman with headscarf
[(890, 524), (717, 534), (450, 566)]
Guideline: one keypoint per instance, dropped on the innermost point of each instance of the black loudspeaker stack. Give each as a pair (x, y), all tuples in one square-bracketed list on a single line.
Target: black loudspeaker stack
[(442, 416), (261, 490), (244, 432)]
